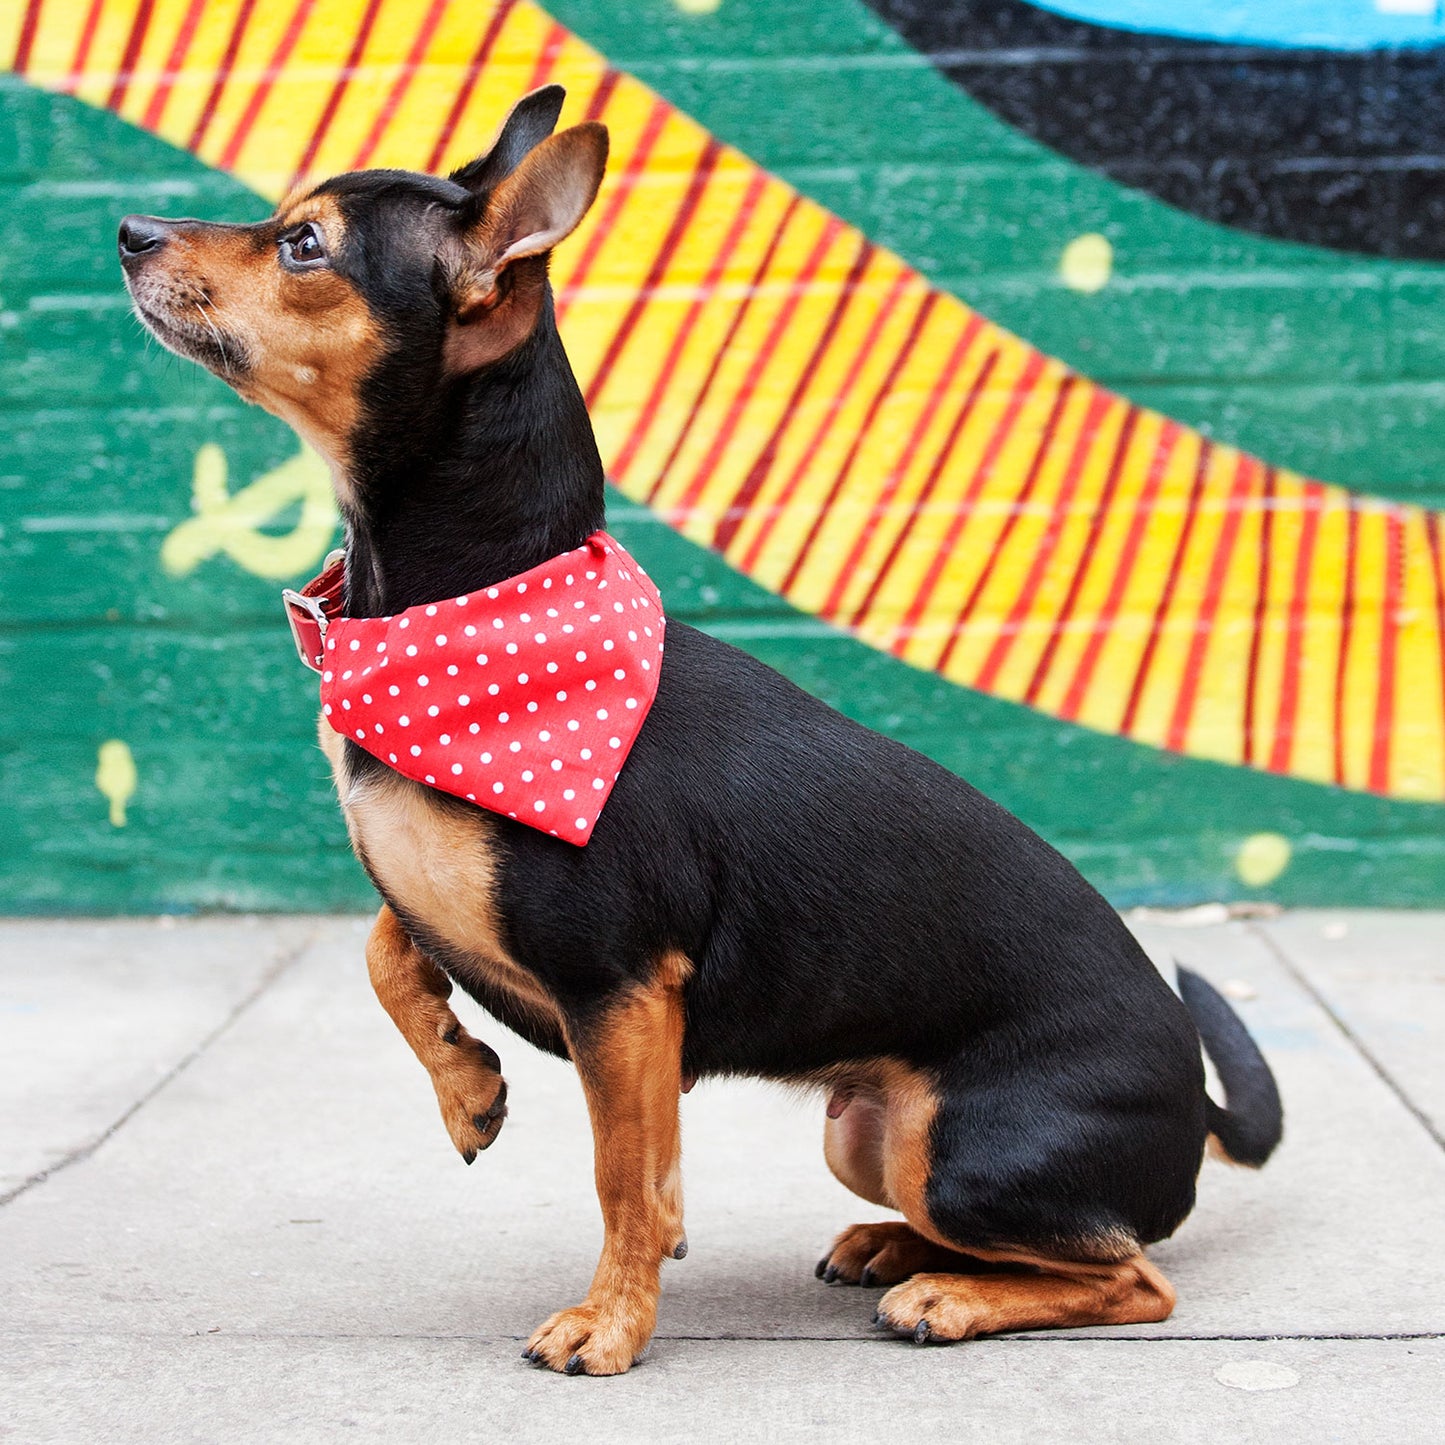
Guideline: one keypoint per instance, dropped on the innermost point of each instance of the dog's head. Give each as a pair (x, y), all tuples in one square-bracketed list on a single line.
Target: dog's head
[(299, 312)]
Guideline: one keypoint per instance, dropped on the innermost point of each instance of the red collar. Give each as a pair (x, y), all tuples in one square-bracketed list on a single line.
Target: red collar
[(523, 698)]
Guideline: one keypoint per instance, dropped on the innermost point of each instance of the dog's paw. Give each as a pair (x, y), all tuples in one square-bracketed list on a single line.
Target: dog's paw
[(934, 1307), (592, 1339), (878, 1254), (471, 1092)]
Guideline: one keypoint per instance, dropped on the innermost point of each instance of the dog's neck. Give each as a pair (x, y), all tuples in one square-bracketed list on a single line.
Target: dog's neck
[(455, 491)]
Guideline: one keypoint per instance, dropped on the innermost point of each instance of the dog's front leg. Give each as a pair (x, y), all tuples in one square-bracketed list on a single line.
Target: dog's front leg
[(629, 1060), (465, 1072)]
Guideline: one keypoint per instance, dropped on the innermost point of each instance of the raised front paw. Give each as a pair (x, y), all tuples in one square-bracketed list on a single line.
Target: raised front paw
[(592, 1339), (471, 1092)]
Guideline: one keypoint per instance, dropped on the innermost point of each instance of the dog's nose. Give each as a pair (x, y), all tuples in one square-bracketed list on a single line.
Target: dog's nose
[(139, 234)]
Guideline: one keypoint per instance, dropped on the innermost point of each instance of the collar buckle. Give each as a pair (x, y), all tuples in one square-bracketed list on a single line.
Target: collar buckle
[(311, 610)]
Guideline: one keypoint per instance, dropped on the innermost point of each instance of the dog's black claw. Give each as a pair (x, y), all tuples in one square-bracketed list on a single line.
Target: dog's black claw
[(575, 1366), (878, 1322), (530, 1356), (452, 1034), (921, 1332), (681, 1251), (469, 1156), (489, 1055), (831, 1275), (819, 1268), (867, 1278)]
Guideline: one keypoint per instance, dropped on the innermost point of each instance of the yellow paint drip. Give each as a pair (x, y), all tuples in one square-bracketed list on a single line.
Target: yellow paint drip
[(230, 522), (1087, 263), (1262, 857), (115, 776)]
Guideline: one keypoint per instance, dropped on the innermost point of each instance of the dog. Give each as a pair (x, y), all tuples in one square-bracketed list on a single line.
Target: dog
[(769, 889)]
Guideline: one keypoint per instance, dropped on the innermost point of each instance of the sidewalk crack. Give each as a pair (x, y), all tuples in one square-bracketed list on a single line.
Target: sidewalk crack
[(284, 961), (1349, 1035)]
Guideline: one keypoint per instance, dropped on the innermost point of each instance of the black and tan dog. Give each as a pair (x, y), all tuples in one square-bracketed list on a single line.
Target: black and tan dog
[(772, 890)]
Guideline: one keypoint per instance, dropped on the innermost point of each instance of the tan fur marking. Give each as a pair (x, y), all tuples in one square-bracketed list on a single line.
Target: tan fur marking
[(631, 1069), (1060, 1296), (436, 864), (414, 992)]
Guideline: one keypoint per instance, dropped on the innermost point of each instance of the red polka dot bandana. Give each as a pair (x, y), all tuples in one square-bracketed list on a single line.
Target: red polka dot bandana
[(523, 698)]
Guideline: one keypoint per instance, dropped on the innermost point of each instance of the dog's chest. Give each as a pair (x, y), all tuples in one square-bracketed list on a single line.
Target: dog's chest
[(436, 867)]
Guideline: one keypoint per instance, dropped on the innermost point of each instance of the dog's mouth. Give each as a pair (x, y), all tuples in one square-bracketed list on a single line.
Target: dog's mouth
[(191, 328)]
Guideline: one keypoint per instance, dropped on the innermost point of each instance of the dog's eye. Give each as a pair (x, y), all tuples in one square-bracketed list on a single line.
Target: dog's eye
[(303, 249)]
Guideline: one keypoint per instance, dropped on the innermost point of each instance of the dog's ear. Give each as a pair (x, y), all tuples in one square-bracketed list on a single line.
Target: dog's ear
[(539, 204), (527, 125)]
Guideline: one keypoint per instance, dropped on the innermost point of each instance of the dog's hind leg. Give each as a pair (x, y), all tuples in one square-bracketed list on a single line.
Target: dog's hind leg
[(465, 1072), (630, 1063)]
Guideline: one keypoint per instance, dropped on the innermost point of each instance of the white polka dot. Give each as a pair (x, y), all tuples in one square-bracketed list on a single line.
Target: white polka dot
[(355, 645), (475, 728), (632, 637), (598, 783), (379, 728), (331, 645), (504, 717), (556, 765), (540, 637), (441, 639), (452, 670), (573, 725), (456, 767), (486, 757), (381, 647), (327, 676), (361, 732), (433, 711), (531, 707), (569, 579), (498, 623), (346, 674), (366, 697), (591, 685), (551, 611), (411, 650), (521, 588), (461, 601), (515, 747), (594, 618), (522, 678), (601, 714), (526, 775), (585, 754), (445, 739), (431, 612), (551, 667), (511, 647), (481, 659), (415, 751), (632, 702), (346, 703), (492, 593), (582, 823), (619, 674), (493, 690), (462, 699), (404, 720), (423, 680), (646, 665), (569, 793), (469, 630), (581, 657), (430, 779), (405, 622), (392, 756), (614, 742), (525, 616), (561, 697), (567, 627), (496, 787), (540, 806), (394, 691)]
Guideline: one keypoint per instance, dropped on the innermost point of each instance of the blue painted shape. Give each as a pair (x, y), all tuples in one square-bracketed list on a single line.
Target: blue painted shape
[(1323, 24)]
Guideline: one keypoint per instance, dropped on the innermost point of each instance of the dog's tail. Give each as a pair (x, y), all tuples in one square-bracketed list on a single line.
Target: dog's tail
[(1249, 1127)]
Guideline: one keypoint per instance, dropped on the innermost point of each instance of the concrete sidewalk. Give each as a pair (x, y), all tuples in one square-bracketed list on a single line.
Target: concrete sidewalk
[(232, 1214)]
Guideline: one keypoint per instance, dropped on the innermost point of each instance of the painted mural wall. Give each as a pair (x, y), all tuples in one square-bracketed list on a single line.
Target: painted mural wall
[(1056, 388)]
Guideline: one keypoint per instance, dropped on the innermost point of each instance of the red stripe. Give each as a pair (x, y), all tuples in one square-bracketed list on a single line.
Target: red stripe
[(704, 293), (27, 35), (1284, 727), (223, 73), (752, 484), (133, 42), (636, 164), (474, 69), (1389, 653), (82, 50), (715, 365), (338, 89), (262, 89), (697, 183), (756, 366), (1103, 624), (1347, 619), (885, 389), (151, 119), (551, 48), (1099, 404), (1016, 510), (1437, 560), (1261, 603), (400, 85), (602, 96), (1166, 597), (881, 508), (861, 355), (1086, 557), (1023, 389), (1213, 590)]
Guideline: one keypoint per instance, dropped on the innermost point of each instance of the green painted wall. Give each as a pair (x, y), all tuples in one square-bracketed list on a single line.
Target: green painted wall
[(1330, 364)]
